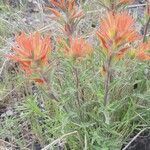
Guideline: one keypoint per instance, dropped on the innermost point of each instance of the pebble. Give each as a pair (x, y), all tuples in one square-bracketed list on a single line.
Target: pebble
[(9, 113), (3, 115), (24, 19), (37, 146)]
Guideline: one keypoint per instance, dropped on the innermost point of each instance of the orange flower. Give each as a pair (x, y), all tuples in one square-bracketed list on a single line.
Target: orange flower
[(55, 12), (67, 13), (77, 47), (143, 52), (67, 6), (116, 32), (39, 80), (31, 51)]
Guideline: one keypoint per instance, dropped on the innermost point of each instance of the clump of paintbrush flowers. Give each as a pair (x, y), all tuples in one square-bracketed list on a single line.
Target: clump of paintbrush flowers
[(118, 40)]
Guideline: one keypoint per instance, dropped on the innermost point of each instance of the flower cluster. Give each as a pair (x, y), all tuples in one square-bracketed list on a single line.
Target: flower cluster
[(143, 51), (67, 13), (77, 47), (31, 52), (116, 32)]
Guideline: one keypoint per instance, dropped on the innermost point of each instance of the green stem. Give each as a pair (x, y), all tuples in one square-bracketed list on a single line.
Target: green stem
[(107, 81), (146, 29), (47, 83), (77, 86)]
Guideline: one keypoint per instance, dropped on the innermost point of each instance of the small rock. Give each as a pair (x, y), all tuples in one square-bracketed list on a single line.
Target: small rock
[(9, 113), (141, 1), (37, 20), (37, 146), (24, 19), (3, 115)]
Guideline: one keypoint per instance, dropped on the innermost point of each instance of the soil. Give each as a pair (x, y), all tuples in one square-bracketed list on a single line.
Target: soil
[(142, 142)]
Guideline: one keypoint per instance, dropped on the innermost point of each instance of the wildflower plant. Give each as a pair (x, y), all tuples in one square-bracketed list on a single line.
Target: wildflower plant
[(97, 107), (116, 32), (143, 51), (76, 47), (67, 14), (31, 52)]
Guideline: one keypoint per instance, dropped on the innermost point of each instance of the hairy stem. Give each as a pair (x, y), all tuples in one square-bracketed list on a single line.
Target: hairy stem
[(50, 94), (146, 29), (107, 81), (77, 86)]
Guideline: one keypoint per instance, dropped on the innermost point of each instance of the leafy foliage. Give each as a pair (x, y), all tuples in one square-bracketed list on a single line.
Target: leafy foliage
[(92, 96)]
